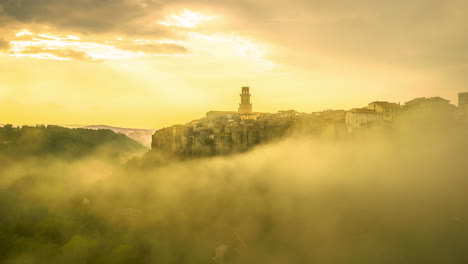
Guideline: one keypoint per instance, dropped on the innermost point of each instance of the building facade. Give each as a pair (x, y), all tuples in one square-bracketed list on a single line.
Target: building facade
[(361, 118), (388, 111), (245, 106), (244, 111)]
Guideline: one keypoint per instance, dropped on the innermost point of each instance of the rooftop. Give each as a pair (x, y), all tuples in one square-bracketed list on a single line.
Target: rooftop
[(363, 111), (386, 104), (222, 112), (427, 100)]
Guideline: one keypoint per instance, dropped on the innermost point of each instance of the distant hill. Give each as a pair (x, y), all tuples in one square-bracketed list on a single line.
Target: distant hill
[(141, 135), (70, 143)]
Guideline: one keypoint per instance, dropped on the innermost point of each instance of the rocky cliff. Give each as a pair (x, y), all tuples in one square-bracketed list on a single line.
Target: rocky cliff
[(208, 137)]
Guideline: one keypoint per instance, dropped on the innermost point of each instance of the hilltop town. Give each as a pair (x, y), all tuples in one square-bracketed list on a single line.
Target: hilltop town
[(224, 132)]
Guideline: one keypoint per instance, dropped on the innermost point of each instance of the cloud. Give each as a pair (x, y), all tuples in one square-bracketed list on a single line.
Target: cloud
[(65, 54), (162, 48), (408, 33), (68, 47), (188, 19), (417, 34), (65, 47), (87, 16), (4, 45)]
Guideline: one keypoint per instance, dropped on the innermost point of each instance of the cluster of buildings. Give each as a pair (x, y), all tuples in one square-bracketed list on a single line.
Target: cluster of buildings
[(223, 132), (380, 113)]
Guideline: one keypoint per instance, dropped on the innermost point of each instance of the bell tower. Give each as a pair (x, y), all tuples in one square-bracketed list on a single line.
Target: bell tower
[(245, 106)]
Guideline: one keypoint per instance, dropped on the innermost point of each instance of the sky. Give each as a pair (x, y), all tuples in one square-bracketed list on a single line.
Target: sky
[(154, 63)]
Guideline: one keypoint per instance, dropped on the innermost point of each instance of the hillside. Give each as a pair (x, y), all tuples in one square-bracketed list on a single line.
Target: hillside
[(35, 141), (140, 135)]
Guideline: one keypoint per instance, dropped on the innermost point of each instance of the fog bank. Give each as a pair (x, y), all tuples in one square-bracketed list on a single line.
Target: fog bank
[(376, 197)]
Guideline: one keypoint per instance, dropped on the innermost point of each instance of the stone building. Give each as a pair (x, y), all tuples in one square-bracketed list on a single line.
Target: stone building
[(221, 117), (245, 106), (331, 115), (388, 111), (361, 118), (429, 104), (371, 116), (223, 132)]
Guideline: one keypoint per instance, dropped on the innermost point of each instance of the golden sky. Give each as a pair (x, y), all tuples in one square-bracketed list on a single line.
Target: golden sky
[(153, 63)]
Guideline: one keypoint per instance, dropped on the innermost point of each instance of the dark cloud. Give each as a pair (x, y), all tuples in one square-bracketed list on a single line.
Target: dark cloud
[(4, 45), (165, 48), (62, 53), (87, 16), (415, 33)]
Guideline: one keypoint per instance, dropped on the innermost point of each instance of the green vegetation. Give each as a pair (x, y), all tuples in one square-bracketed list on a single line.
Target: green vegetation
[(41, 217), (55, 141)]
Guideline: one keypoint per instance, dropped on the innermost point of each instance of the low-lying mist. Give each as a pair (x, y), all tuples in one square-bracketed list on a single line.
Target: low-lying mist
[(394, 196)]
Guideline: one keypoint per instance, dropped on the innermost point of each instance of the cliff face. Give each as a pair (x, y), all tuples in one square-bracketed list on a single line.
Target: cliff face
[(208, 137), (218, 140)]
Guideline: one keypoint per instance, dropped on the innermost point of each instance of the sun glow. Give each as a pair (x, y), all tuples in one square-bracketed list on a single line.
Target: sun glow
[(24, 32), (188, 19), (232, 47), (48, 46)]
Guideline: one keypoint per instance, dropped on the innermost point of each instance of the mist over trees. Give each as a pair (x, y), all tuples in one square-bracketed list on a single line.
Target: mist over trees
[(65, 143), (396, 196)]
